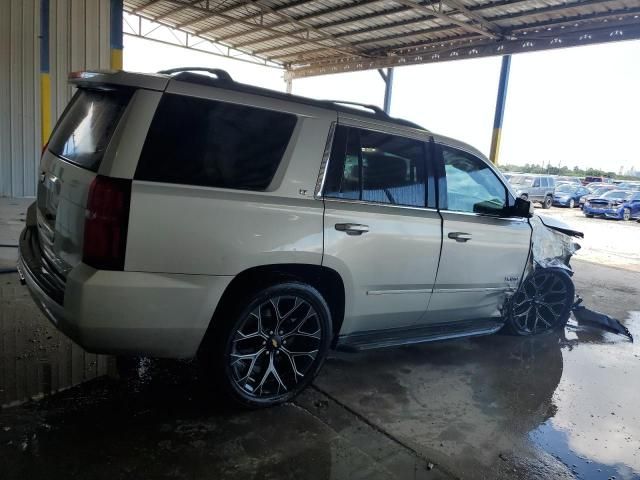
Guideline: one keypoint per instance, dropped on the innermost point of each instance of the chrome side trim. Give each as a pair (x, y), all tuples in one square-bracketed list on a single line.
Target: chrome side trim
[(481, 215), (397, 292), (322, 175), (476, 289), (387, 205)]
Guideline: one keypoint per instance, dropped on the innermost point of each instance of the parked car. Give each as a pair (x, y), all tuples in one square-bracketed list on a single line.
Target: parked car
[(535, 188), (617, 204), (568, 179), (568, 195), (595, 192), (590, 179), (184, 214), (635, 186)]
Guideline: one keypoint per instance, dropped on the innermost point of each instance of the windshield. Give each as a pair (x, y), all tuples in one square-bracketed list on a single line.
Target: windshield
[(566, 188), (616, 194), (521, 180)]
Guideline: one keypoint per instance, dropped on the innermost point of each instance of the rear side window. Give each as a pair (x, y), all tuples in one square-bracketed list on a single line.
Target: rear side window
[(214, 144), (377, 167), (84, 131)]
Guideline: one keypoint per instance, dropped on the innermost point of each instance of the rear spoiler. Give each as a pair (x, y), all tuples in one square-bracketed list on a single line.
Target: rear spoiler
[(104, 78)]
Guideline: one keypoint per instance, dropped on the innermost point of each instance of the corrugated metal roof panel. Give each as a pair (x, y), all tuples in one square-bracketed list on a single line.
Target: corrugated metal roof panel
[(373, 30)]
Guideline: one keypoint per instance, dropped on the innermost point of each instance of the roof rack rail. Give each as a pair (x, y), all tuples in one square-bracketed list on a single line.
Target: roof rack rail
[(221, 74), (373, 108)]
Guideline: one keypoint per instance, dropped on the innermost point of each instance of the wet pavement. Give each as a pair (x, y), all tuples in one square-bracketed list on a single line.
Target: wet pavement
[(35, 359), (561, 405)]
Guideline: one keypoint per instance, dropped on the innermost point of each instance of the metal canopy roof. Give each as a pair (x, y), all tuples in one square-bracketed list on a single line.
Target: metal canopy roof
[(314, 37)]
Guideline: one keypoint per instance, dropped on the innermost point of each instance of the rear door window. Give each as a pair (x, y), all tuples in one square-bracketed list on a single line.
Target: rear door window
[(194, 141), (83, 133), (377, 167)]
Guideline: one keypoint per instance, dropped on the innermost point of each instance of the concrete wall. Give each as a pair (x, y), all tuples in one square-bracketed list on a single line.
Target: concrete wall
[(78, 39)]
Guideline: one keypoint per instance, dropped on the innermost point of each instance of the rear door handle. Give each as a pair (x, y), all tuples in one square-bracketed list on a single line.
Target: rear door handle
[(352, 228), (460, 236)]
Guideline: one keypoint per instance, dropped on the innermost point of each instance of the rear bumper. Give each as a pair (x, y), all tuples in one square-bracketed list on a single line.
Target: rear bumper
[(127, 313)]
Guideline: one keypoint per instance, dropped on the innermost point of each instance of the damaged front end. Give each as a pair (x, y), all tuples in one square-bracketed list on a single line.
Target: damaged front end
[(546, 294), (552, 244), (546, 297)]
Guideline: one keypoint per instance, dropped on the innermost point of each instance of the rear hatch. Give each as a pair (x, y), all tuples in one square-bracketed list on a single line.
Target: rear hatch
[(69, 164)]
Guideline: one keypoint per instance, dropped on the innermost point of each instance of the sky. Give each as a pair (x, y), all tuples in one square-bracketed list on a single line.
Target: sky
[(575, 106)]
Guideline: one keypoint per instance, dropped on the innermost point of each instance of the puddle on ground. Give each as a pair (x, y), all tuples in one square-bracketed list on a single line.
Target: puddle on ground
[(596, 427)]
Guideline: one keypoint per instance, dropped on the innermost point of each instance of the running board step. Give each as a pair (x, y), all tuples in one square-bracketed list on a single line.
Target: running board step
[(396, 337)]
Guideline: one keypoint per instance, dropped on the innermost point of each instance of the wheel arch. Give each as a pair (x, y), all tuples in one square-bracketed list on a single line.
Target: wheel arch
[(324, 279)]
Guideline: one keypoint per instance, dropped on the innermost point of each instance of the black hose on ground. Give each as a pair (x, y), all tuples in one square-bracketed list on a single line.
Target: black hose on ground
[(6, 245), (8, 270)]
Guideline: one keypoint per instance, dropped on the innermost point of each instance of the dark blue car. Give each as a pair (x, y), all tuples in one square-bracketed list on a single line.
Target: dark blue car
[(618, 204), (568, 195)]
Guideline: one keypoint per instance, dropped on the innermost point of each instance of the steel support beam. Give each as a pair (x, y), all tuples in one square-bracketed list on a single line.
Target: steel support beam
[(387, 77), (138, 26), (45, 82), (116, 36), (500, 104)]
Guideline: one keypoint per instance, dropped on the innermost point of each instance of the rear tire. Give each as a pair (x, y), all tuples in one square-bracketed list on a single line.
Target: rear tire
[(542, 303), (548, 201), (588, 215), (266, 350)]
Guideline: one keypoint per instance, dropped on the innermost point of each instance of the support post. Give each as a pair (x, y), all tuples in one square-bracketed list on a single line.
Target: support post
[(388, 88), (500, 104), (45, 81), (289, 82), (116, 34)]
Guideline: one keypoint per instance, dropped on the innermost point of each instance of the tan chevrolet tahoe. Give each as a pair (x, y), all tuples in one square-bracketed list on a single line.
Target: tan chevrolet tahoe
[(183, 214)]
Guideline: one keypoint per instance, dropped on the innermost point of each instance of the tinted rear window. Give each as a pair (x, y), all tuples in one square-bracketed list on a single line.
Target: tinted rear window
[(216, 144), (84, 131)]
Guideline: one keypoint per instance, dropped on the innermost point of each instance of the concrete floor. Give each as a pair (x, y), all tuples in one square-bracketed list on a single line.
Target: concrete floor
[(555, 406)]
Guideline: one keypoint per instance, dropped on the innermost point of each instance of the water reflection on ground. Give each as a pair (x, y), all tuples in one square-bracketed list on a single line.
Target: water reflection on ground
[(560, 406), (554, 406), (596, 428)]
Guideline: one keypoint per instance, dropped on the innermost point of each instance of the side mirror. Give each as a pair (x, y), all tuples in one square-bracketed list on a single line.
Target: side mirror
[(521, 208)]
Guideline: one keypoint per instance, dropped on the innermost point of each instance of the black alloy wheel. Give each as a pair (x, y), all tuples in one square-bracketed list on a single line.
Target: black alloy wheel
[(273, 348), (542, 303)]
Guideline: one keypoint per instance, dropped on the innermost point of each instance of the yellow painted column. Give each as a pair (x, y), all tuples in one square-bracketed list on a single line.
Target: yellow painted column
[(45, 80), (116, 35)]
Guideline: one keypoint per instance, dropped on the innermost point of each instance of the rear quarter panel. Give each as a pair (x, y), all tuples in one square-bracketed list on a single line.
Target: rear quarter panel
[(214, 231)]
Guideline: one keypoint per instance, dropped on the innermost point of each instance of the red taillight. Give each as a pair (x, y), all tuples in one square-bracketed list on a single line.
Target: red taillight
[(106, 221)]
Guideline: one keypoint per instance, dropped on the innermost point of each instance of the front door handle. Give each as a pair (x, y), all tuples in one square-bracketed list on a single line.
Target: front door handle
[(460, 236), (352, 228)]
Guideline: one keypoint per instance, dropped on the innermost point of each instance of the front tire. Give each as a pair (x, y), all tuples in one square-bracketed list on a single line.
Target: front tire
[(542, 303), (626, 214), (269, 349), (546, 204), (572, 203)]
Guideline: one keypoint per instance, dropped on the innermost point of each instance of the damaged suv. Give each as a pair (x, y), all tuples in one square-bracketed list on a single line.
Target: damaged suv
[(184, 214)]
